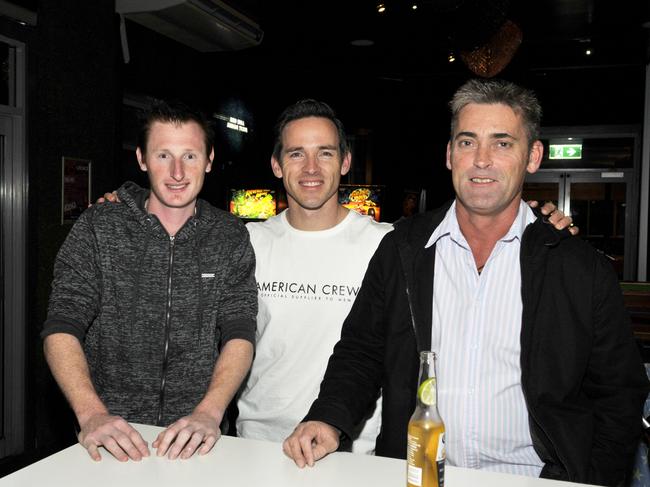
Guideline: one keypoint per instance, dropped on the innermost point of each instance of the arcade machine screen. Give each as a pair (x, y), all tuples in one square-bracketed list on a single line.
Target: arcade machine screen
[(364, 199), (252, 204)]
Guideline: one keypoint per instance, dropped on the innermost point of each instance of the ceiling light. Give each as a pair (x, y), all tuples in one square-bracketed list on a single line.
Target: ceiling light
[(381, 7), (588, 52), (414, 6), (451, 58)]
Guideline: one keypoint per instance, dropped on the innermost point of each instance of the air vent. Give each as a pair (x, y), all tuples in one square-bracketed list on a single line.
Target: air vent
[(205, 25)]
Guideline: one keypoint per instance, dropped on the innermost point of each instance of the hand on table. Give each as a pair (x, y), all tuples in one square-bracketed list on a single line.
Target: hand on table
[(115, 434), (183, 437), (310, 442), (556, 217)]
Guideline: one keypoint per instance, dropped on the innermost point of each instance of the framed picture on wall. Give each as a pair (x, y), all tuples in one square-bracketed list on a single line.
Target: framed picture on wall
[(75, 188)]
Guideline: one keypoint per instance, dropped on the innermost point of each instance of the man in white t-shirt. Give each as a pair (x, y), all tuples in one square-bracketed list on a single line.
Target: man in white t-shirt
[(310, 262)]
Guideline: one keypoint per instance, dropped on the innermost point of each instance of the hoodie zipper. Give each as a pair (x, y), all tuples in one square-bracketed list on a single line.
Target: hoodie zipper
[(168, 313)]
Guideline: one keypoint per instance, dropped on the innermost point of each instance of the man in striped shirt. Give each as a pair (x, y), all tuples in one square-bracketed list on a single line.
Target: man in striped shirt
[(538, 372)]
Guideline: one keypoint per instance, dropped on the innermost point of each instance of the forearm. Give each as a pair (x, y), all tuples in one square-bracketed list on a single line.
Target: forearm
[(232, 366), (69, 367)]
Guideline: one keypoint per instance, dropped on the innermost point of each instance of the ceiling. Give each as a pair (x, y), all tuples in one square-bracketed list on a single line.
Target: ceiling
[(408, 43), (555, 34)]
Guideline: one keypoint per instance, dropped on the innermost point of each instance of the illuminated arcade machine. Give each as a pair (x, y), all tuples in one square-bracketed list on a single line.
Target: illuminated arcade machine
[(364, 199), (253, 204)]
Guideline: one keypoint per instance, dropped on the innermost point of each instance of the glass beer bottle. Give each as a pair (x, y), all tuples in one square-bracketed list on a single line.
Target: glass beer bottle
[(425, 452)]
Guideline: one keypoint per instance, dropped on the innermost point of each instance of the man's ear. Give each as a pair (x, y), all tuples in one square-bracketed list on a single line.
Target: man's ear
[(346, 163), (208, 167), (448, 163), (140, 156), (276, 167), (535, 157)]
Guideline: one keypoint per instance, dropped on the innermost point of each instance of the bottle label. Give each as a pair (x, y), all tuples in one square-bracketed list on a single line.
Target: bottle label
[(441, 454), (414, 475), (425, 455)]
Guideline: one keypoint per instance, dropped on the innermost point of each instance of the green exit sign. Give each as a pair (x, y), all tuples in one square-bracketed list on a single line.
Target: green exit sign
[(565, 151)]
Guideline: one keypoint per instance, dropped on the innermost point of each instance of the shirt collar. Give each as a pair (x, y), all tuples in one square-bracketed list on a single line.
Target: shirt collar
[(449, 226), (525, 217)]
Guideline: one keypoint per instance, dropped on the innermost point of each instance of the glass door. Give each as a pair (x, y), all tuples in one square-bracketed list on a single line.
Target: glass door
[(601, 204), (545, 187)]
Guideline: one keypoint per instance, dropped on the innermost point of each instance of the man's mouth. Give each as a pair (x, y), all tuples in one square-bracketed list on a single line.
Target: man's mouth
[(177, 187), (482, 180), (311, 184)]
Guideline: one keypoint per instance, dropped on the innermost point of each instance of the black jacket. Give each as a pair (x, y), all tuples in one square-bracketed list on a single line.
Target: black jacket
[(581, 372)]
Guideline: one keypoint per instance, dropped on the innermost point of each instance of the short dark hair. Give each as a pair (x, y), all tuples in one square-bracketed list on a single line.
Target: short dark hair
[(175, 112), (304, 109), (482, 91)]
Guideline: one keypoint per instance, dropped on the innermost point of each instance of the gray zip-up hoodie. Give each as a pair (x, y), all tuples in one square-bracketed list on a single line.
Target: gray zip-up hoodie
[(153, 311)]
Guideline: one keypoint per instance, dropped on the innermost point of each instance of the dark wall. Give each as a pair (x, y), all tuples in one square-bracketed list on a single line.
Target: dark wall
[(73, 101)]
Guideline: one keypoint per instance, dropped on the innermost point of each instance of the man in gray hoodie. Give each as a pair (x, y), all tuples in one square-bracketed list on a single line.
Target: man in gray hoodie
[(151, 317)]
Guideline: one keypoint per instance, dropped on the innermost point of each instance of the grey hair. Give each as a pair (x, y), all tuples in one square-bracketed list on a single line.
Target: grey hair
[(488, 92)]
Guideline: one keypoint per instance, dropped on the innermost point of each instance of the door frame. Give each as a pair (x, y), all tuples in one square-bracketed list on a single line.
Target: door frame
[(638, 188), (13, 245)]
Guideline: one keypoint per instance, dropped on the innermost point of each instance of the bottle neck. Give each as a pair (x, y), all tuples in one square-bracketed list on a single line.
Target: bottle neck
[(427, 366), (427, 394)]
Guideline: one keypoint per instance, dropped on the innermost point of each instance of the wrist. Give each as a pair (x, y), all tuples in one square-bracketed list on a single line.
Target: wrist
[(87, 413), (212, 411)]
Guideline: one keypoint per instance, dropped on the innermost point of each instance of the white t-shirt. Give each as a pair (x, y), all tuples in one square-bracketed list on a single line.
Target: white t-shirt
[(307, 282)]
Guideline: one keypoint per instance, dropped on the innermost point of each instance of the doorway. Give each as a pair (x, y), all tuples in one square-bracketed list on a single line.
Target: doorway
[(13, 247), (601, 204)]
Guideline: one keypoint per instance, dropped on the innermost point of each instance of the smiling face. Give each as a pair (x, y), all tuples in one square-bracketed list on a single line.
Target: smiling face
[(489, 157), (176, 162), (311, 164)]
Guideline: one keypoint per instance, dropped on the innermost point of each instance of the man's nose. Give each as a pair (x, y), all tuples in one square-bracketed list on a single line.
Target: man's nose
[(482, 157), (178, 170), (311, 164)]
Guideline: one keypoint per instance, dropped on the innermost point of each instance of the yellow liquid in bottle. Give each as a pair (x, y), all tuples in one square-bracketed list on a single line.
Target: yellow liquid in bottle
[(425, 454)]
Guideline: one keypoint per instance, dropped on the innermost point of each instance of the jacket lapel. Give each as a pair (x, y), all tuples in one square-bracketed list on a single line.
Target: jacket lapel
[(423, 265), (418, 264)]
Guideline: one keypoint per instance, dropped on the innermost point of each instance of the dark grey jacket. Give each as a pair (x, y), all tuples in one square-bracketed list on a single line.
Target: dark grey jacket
[(152, 311)]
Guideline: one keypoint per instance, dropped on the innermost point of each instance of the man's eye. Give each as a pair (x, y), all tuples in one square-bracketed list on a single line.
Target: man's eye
[(504, 144), (327, 153), (190, 157), (295, 155), (464, 143), (162, 155)]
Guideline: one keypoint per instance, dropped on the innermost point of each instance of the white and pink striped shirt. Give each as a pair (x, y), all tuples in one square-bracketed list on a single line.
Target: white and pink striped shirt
[(476, 336)]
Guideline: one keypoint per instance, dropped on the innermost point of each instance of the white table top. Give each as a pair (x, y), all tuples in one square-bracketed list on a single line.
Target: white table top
[(240, 462)]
